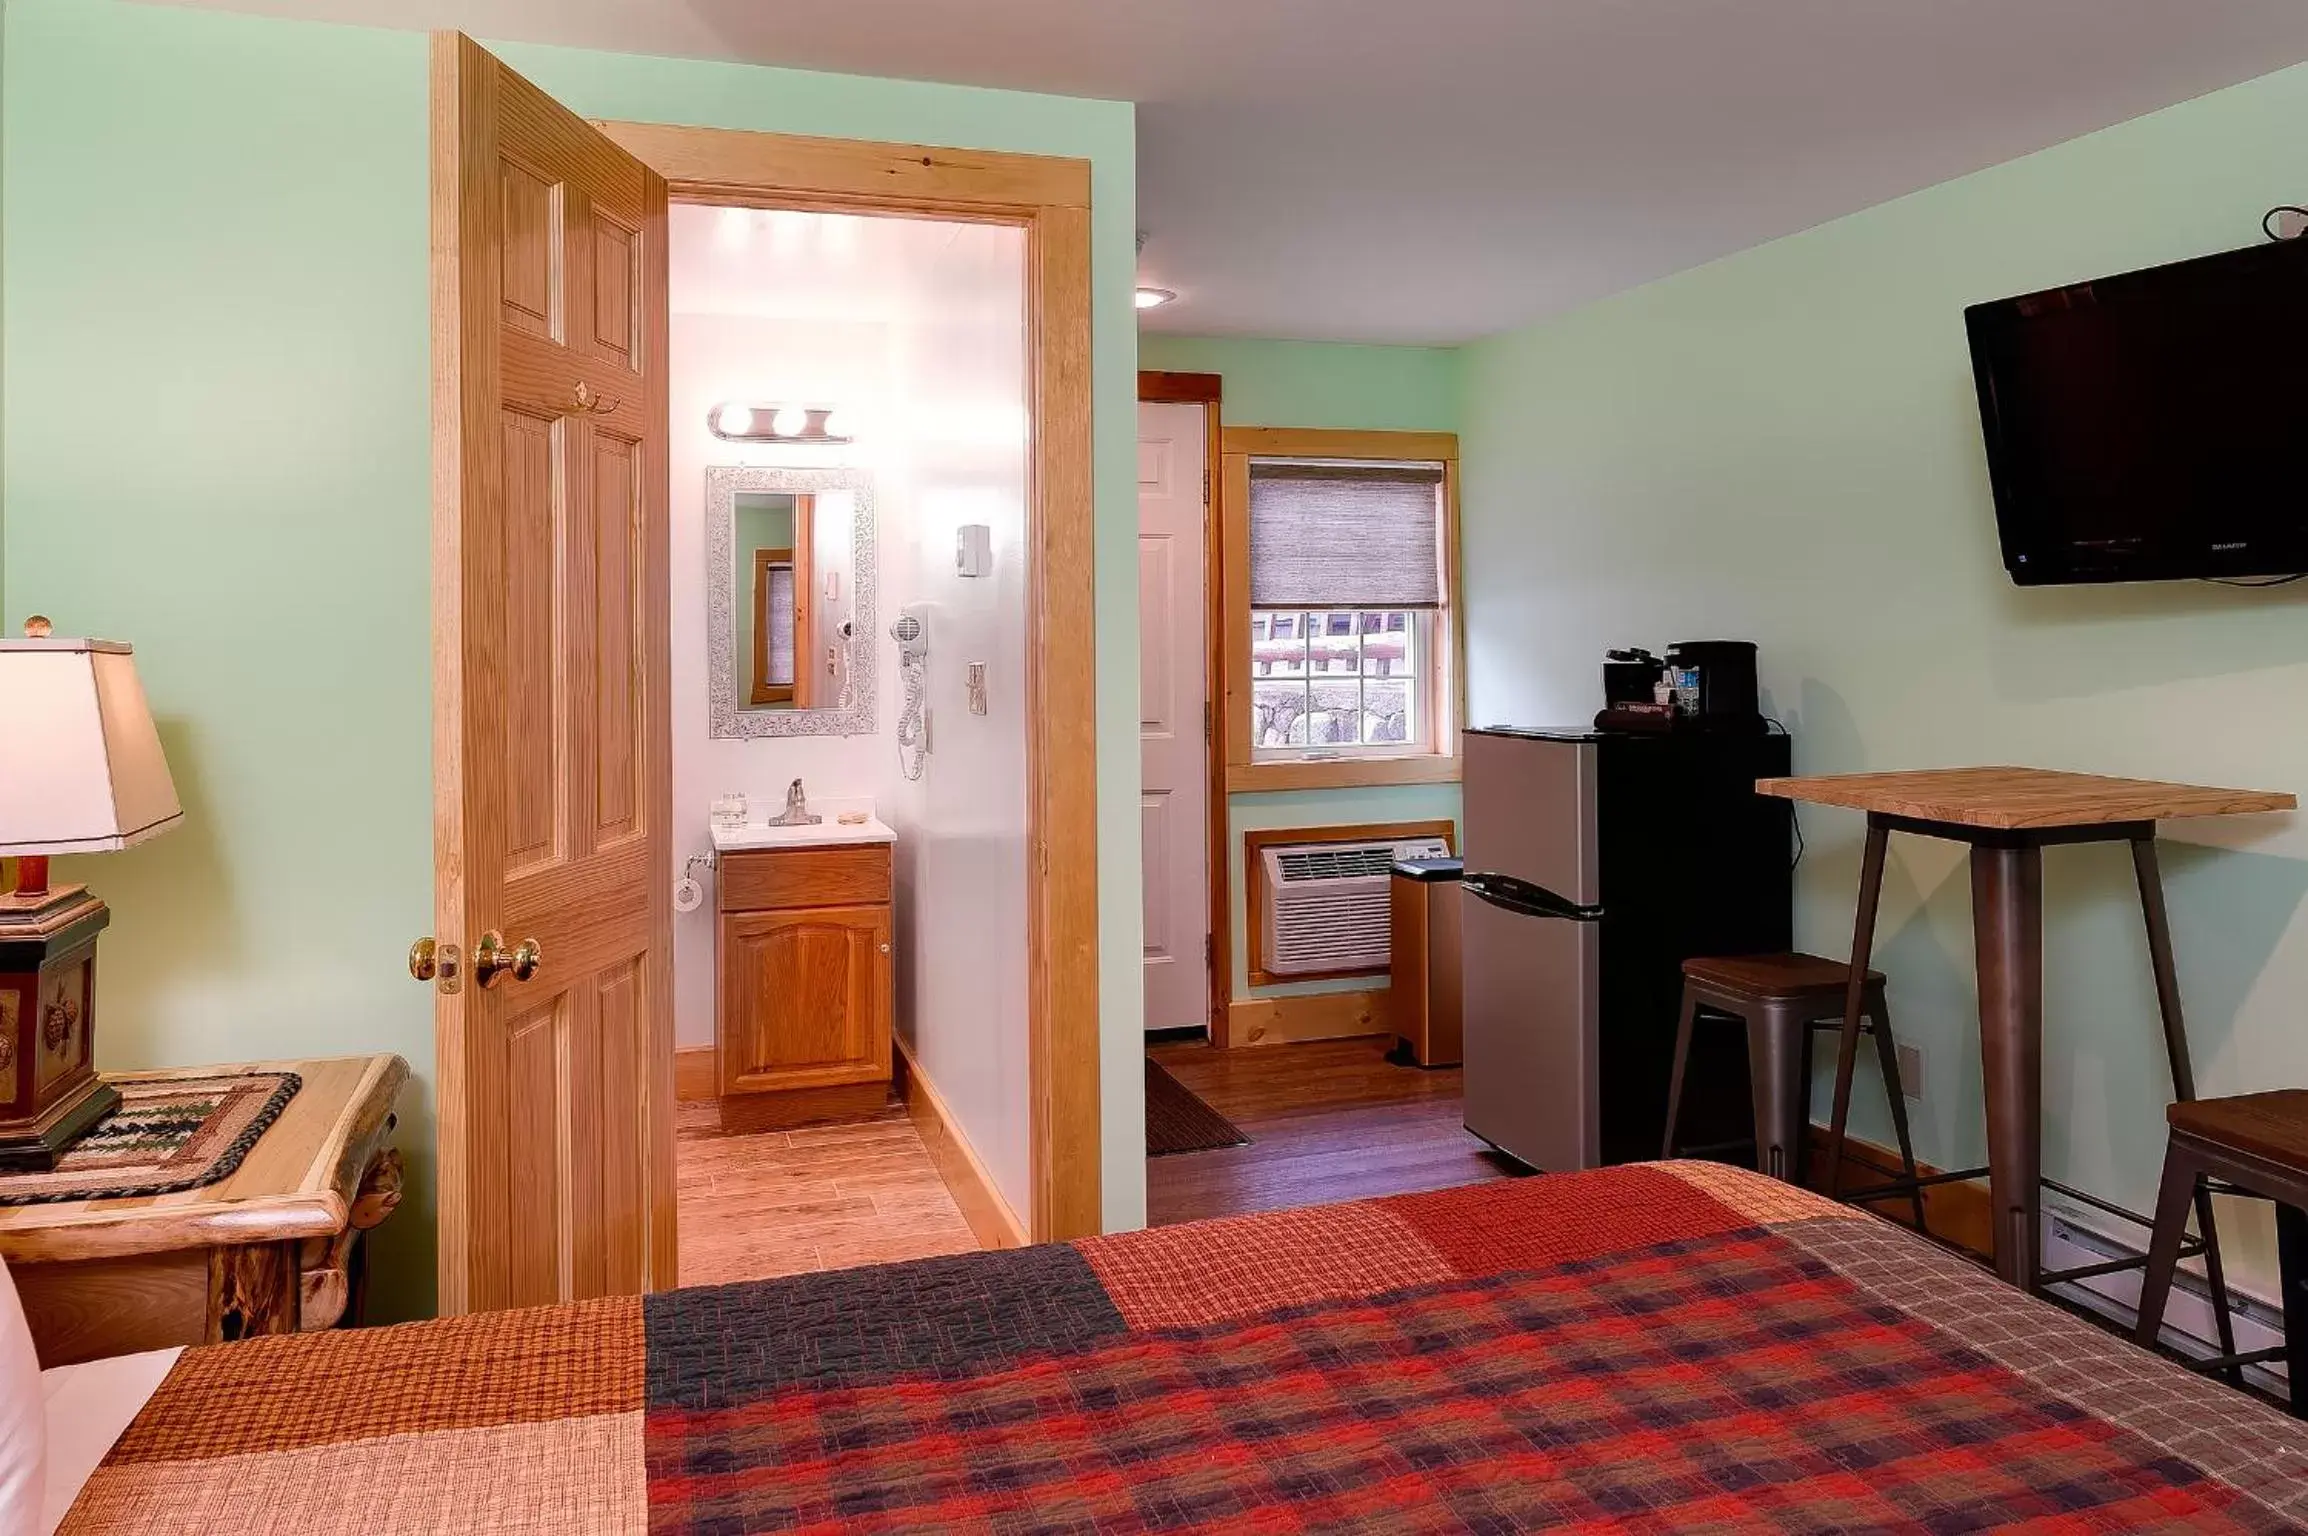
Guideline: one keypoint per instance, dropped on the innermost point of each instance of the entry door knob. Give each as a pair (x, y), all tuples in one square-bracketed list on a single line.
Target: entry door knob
[(492, 957)]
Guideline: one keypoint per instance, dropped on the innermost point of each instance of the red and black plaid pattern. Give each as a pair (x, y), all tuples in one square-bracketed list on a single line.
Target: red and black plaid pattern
[(1725, 1381)]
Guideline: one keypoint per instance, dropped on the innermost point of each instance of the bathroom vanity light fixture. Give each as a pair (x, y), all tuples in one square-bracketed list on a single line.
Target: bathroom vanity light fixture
[(734, 422), (1153, 298)]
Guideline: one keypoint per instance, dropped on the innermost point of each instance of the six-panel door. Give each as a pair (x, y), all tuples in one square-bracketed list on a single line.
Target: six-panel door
[(805, 1000), (552, 795)]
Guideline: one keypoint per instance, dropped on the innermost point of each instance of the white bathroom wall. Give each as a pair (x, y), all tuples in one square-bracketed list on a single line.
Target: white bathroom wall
[(717, 358), (915, 330), (959, 378)]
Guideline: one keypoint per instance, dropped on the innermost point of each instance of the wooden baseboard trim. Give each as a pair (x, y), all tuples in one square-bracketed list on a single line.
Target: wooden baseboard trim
[(748, 1114), (1960, 1214), (696, 1074), (973, 1188), (1311, 1016)]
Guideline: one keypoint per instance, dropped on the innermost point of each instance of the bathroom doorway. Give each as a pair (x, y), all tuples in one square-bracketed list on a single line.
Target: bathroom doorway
[(849, 462), (557, 1105)]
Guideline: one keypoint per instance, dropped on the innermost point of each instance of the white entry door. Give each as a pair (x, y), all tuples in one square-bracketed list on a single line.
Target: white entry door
[(1171, 696)]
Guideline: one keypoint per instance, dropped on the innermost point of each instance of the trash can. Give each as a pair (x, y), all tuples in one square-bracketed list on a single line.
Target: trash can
[(1424, 996)]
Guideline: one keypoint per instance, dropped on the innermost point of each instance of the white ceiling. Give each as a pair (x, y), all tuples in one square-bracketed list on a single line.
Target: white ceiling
[(1383, 170)]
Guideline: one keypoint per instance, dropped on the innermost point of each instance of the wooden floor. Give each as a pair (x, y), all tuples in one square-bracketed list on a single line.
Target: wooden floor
[(822, 1197), (1327, 1120)]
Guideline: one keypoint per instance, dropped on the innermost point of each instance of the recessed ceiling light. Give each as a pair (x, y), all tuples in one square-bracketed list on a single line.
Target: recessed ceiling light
[(1154, 298)]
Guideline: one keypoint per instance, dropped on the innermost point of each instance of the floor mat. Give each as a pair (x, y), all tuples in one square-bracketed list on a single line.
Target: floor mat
[(1178, 1121)]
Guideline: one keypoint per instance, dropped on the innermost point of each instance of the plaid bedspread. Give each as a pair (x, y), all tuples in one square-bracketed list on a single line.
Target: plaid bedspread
[(1671, 1347)]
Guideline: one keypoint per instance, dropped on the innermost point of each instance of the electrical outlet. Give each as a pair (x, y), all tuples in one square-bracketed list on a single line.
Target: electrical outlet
[(1911, 1072)]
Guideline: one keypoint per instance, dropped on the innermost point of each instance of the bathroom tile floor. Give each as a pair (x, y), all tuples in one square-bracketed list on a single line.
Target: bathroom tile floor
[(819, 1197)]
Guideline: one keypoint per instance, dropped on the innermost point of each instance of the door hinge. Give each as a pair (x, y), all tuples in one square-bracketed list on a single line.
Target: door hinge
[(1206, 485), (1205, 722), (1206, 951)]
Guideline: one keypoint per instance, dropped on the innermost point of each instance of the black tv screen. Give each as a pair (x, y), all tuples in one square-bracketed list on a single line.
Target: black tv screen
[(2150, 427)]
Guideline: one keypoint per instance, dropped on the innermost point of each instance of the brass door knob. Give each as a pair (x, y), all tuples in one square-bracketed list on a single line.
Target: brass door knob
[(493, 958)]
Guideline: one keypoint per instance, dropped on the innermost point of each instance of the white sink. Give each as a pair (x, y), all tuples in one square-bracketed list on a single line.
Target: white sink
[(832, 830)]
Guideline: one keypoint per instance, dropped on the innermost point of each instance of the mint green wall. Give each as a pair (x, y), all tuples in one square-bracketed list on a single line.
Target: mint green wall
[(1318, 384), (1785, 446), (217, 433)]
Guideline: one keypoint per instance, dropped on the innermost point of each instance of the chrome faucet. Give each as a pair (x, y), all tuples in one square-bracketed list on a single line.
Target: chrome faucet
[(797, 811)]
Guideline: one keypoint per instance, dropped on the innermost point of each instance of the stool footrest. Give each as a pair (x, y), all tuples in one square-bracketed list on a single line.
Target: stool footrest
[(2097, 1204), (1708, 1149), (2230, 1362), (2193, 1248), (1901, 1188)]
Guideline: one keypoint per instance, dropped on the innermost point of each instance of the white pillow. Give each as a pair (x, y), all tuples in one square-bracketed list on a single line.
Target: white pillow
[(23, 1419)]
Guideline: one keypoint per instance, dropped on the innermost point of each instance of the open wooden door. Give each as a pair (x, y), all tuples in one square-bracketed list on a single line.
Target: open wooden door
[(551, 785)]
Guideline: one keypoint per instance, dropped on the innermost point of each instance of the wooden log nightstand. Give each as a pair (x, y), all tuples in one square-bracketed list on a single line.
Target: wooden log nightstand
[(269, 1248)]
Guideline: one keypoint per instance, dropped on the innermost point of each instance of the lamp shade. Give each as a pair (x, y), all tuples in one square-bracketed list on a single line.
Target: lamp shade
[(81, 769)]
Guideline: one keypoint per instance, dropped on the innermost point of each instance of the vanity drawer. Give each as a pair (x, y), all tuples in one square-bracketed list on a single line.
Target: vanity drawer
[(853, 874)]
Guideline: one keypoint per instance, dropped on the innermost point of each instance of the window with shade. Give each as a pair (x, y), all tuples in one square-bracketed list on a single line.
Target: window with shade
[(1345, 575)]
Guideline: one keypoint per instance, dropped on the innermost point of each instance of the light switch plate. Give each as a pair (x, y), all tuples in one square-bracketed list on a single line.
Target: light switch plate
[(977, 687)]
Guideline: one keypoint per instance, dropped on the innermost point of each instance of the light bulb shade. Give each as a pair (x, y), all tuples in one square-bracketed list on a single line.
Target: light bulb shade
[(81, 770), (790, 421), (733, 420)]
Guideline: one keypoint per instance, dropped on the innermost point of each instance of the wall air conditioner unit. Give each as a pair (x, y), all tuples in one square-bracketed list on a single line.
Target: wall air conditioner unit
[(1326, 903)]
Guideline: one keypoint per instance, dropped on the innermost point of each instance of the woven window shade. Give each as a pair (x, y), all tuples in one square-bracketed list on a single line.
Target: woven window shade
[(1344, 535)]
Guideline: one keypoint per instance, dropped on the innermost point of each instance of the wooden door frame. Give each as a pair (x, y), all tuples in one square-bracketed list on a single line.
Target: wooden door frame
[(1049, 198), (1156, 387)]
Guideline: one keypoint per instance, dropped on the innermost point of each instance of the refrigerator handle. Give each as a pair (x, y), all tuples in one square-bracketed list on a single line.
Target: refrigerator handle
[(1512, 895)]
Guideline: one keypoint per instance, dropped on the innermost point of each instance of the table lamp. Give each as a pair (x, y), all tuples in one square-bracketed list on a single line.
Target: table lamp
[(81, 771)]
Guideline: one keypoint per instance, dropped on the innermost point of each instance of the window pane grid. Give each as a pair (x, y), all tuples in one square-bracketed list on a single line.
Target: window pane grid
[(1335, 679)]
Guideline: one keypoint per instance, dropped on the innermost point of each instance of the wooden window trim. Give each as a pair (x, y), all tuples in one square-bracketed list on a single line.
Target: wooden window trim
[(1048, 197), (1255, 843), (1446, 691)]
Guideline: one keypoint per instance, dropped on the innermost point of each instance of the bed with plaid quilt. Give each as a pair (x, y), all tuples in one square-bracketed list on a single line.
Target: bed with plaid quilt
[(1664, 1347)]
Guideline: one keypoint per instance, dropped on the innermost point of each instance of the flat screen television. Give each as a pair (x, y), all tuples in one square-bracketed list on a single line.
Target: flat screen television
[(2151, 427)]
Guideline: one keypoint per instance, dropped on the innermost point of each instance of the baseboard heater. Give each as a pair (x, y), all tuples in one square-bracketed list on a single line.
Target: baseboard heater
[(2072, 1239)]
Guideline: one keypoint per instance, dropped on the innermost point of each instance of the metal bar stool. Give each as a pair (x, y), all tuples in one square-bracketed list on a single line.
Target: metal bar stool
[(2253, 1144), (1782, 999)]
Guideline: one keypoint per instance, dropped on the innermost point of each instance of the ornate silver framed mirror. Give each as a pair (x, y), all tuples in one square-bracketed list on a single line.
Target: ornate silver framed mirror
[(790, 558)]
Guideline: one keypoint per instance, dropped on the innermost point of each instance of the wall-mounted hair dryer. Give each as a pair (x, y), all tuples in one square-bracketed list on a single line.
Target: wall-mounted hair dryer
[(912, 633)]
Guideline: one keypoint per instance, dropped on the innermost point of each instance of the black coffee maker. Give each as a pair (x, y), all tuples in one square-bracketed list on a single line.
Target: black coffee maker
[(1630, 677), (1726, 695)]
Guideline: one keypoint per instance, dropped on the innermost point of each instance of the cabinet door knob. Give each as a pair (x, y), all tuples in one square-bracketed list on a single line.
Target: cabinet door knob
[(885, 949)]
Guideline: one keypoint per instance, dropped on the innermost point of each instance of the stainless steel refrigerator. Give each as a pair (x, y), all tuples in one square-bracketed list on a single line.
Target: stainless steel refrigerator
[(1596, 863)]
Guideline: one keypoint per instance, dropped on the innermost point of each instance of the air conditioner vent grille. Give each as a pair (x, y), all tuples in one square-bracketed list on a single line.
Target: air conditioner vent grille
[(1327, 904), (1336, 862)]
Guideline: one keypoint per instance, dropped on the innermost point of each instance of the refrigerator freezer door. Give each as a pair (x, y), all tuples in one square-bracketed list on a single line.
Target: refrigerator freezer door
[(1531, 998), (1529, 812)]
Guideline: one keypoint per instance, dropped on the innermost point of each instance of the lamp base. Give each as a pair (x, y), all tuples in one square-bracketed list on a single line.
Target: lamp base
[(35, 1148), (49, 1091)]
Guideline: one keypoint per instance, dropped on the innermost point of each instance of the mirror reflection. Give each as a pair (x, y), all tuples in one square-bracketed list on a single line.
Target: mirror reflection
[(791, 560), (776, 640)]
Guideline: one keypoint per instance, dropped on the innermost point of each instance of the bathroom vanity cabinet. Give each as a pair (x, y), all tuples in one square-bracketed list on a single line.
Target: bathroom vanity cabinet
[(805, 988)]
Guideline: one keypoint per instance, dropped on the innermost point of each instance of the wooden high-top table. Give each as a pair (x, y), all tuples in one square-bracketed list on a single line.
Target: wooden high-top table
[(2008, 816)]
